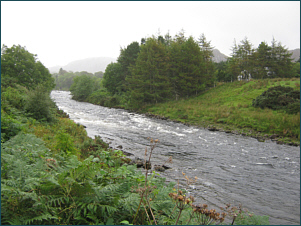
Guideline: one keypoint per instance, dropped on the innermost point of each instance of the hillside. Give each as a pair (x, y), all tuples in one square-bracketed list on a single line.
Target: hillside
[(218, 56), (296, 54)]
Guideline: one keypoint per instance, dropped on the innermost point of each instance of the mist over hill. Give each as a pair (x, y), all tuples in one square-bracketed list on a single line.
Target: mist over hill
[(296, 54), (92, 65)]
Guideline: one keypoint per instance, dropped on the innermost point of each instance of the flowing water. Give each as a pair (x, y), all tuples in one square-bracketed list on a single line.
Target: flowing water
[(263, 176)]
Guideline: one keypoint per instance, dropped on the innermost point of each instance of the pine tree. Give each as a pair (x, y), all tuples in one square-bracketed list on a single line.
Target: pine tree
[(149, 81), (281, 62), (262, 61), (207, 52), (127, 59)]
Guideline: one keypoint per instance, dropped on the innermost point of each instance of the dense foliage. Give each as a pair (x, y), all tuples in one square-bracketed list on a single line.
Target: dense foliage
[(64, 79), (264, 62), (18, 66), (159, 69), (279, 98), (39, 187), (83, 86)]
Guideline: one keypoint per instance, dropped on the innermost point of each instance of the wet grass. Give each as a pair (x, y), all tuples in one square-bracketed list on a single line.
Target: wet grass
[(229, 107)]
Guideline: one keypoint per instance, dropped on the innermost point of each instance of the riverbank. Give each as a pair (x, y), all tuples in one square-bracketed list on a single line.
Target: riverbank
[(224, 163), (228, 108)]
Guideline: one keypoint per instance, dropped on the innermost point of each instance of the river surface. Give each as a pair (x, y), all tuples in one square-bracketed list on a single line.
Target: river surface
[(263, 176)]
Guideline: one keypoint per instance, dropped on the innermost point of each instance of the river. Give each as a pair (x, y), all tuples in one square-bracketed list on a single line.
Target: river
[(263, 176)]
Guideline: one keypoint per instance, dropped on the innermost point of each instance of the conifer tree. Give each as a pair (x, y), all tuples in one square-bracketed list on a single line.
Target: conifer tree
[(281, 62), (207, 53), (149, 81), (262, 61)]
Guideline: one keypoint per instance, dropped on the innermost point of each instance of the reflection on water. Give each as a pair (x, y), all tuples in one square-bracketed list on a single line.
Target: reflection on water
[(263, 176)]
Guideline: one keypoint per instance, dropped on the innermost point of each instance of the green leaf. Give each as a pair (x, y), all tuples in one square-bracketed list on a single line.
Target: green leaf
[(125, 222), (110, 221)]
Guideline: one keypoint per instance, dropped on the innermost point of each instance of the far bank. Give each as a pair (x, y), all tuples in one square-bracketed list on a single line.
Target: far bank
[(228, 107)]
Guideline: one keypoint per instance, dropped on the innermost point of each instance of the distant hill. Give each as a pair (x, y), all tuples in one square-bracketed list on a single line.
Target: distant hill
[(296, 54), (218, 56), (92, 65)]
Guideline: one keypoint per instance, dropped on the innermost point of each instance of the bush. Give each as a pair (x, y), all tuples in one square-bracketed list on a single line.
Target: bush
[(13, 97), (65, 143), (9, 127), (279, 98), (39, 105)]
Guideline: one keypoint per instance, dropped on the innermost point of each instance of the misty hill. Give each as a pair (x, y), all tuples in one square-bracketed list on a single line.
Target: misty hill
[(218, 56), (92, 65), (296, 54)]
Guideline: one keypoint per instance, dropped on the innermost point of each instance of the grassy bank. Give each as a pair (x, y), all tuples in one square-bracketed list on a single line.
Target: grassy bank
[(228, 107)]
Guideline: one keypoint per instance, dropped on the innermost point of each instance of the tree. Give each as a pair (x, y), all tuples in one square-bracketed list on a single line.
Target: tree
[(18, 66), (113, 78), (281, 62), (99, 74), (62, 71), (262, 61), (207, 53), (221, 72), (82, 87), (192, 78), (206, 48), (187, 67), (65, 81), (296, 69), (245, 52), (127, 59), (39, 105), (233, 68), (149, 82)]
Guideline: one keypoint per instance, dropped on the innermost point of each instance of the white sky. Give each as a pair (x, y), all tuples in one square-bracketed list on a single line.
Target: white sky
[(60, 32)]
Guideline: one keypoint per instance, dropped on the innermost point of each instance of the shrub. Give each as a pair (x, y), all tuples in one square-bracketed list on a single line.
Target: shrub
[(279, 98), (9, 127), (13, 97), (39, 105), (65, 143)]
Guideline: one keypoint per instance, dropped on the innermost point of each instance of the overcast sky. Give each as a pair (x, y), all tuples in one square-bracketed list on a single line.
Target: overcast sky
[(61, 32)]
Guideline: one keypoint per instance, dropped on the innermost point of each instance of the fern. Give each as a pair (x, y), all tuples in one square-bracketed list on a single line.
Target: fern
[(41, 218)]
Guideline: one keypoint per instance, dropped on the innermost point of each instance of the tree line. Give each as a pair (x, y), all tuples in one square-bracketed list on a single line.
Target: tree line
[(263, 62), (64, 79), (162, 68)]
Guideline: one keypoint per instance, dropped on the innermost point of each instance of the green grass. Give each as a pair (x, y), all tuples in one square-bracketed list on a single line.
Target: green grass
[(228, 106)]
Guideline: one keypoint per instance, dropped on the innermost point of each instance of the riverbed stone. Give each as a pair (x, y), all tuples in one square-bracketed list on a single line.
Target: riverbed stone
[(141, 163)]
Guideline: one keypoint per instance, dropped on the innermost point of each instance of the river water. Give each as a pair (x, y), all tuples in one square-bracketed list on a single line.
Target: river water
[(263, 176)]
